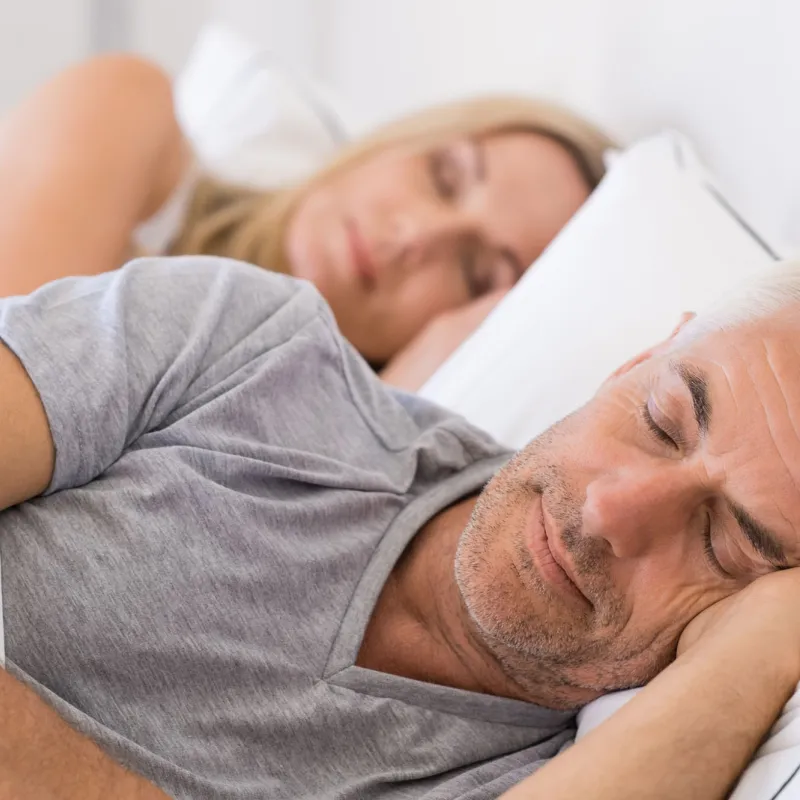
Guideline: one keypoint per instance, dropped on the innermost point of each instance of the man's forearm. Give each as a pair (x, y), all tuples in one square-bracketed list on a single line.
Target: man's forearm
[(688, 734), (41, 756)]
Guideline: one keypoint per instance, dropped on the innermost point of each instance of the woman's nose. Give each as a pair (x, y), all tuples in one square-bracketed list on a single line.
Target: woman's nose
[(424, 234), (641, 508)]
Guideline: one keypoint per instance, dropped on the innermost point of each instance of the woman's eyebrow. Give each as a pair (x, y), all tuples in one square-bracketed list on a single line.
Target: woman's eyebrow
[(479, 160)]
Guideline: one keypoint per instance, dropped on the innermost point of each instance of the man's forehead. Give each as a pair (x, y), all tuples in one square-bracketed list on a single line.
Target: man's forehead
[(750, 379), (781, 325), (744, 373), (757, 347)]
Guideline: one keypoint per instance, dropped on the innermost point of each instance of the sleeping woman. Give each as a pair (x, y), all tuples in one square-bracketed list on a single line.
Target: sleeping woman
[(412, 234)]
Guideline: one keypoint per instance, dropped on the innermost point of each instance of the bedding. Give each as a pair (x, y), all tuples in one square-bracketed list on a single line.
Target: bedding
[(250, 119)]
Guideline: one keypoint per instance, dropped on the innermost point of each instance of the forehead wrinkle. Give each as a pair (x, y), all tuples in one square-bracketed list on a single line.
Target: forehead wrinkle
[(770, 374), (759, 380), (794, 421), (794, 418)]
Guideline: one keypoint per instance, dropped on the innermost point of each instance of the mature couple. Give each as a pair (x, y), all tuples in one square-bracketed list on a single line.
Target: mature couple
[(237, 565)]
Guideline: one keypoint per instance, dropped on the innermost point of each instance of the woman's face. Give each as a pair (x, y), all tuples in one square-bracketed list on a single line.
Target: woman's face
[(408, 234)]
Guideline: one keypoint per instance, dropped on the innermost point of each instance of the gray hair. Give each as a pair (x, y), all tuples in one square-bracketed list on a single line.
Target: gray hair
[(754, 299)]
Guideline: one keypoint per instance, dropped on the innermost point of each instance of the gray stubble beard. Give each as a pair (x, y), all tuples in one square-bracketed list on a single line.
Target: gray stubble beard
[(561, 665)]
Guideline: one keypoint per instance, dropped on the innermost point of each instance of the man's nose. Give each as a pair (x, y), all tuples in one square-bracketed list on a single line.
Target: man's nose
[(641, 508)]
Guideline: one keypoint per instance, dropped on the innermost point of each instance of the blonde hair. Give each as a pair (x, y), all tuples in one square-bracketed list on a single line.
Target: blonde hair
[(250, 225)]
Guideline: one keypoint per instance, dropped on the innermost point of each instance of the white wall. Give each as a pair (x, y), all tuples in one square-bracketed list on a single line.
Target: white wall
[(392, 56), (164, 30), (41, 37), (38, 38), (293, 29), (725, 72)]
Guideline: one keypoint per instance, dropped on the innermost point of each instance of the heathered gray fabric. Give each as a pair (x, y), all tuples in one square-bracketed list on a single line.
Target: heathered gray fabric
[(232, 488)]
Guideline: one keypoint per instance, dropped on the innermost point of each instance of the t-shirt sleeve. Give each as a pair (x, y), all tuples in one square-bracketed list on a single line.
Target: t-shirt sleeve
[(113, 356)]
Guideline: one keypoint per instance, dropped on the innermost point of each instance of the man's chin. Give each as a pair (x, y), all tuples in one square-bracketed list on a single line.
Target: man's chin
[(569, 687), (555, 664)]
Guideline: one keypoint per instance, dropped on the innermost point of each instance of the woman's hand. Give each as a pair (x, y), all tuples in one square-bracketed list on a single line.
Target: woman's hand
[(410, 368)]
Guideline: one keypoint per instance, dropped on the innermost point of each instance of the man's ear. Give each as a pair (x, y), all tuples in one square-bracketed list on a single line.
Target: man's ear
[(652, 351)]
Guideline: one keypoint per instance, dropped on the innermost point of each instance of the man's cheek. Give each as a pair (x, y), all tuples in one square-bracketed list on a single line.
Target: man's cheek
[(660, 616)]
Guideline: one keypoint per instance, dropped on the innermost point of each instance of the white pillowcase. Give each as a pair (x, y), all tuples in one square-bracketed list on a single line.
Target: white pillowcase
[(655, 239), (251, 120)]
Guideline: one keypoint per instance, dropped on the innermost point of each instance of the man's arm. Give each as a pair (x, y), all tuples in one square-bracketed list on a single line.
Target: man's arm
[(691, 731), (27, 454), (41, 756)]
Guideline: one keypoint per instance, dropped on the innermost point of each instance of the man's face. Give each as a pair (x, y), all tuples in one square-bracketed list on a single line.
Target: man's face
[(676, 486)]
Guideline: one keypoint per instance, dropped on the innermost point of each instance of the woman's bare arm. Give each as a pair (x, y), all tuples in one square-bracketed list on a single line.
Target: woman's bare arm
[(83, 160)]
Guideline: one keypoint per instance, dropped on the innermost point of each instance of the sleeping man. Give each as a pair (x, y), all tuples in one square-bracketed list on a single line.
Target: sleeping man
[(237, 566)]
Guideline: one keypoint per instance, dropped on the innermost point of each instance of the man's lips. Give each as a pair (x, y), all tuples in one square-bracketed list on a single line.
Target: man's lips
[(361, 259), (556, 546), (549, 556)]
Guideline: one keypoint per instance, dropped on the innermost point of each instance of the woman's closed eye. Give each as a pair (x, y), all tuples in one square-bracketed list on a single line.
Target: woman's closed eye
[(446, 174), (483, 272)]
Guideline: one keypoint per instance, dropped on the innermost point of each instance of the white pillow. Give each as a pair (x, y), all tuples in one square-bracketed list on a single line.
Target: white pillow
[(655, 239), (250, 120)]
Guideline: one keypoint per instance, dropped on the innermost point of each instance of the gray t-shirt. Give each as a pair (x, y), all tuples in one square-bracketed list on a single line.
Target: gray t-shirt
[(232, 488)]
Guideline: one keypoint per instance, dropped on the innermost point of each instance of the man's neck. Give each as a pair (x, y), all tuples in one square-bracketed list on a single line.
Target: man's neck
[(419, 628)]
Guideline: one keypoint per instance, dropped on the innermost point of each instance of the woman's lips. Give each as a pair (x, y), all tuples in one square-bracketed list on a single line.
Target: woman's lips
[(359, 254)]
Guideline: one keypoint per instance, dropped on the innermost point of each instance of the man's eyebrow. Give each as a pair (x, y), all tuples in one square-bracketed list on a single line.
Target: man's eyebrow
[(697, 384), (764, 542)]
